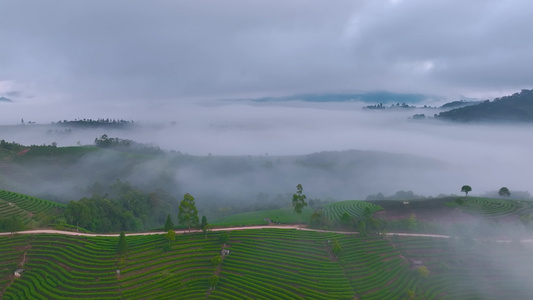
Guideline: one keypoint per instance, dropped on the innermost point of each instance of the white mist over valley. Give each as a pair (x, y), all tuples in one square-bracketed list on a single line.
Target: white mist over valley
[(447, 154)]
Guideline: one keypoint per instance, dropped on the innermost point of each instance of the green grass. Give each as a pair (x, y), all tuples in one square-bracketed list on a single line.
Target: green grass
[(282, 215)]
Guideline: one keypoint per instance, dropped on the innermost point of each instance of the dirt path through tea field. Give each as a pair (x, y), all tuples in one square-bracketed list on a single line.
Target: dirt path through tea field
[(52, 231)]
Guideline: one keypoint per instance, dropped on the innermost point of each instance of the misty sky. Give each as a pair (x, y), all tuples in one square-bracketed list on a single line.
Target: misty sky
[(139, 53)]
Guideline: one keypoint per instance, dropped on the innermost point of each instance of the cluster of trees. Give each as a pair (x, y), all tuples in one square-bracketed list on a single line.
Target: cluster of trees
[(16, 148), (503, 192), (10, 146), (397, 105), (11, 224), (108, 142), (419, 116), (97, 123), (66, 131), (119, 207), (125, 145), (122, 207), (187, 216)]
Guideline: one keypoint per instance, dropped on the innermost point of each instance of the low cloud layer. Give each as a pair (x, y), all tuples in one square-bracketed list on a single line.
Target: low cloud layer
[(448, 155)]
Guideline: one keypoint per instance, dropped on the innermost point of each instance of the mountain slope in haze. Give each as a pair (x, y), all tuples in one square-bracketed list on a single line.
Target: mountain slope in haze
[(515, 108), (4, 99), (64, 173), (459, 104), (368, 97)]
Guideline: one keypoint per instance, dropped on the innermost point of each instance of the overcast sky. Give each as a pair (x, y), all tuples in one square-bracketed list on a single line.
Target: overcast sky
[(134, 52)]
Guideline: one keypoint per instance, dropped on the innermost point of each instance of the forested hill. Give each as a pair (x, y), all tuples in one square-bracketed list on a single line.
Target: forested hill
[(515, 108)]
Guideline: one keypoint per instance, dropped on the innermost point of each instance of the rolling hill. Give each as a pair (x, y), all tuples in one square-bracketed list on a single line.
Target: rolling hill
[(515, 108)]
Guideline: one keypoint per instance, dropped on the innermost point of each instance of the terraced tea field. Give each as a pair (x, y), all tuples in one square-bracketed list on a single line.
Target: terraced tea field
[(66, 267), (267, 263), (354, 208), (281, 264), (32, 211), (487, 207), (471, 269), (282, 215), (262, 264)]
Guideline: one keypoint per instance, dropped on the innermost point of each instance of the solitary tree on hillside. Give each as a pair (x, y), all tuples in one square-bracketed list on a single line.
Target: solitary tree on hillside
[(336, 247), (224, 237), (504, 192), (466, 189), (170, 235), (205, 226), (213, 281), (298, 201), (216, 260), (188, 214), (168, 224), (423, 271), (203, 223), (411, 222), (361, 227)]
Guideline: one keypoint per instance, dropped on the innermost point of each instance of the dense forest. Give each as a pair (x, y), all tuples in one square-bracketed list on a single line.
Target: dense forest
[(120, 207)]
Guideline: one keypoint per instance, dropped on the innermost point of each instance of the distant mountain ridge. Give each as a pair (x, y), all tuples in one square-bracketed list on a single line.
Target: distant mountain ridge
[(459, 103), (514, 108), (4, 99), (367, 97)]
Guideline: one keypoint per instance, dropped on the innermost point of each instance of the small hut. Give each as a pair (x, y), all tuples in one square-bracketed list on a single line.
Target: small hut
[(18, 272), (416, 264)]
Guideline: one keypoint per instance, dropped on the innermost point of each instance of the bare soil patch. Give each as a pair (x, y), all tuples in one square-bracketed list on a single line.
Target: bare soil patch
[(62, 265)]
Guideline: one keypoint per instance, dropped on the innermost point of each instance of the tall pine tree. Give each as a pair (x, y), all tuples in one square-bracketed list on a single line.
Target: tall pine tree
[(168, 224)]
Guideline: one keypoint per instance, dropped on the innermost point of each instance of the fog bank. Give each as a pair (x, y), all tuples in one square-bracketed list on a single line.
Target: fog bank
[(486, 157)]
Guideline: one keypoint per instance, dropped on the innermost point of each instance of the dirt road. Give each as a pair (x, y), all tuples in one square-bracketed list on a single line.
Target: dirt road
[(40, 231)]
